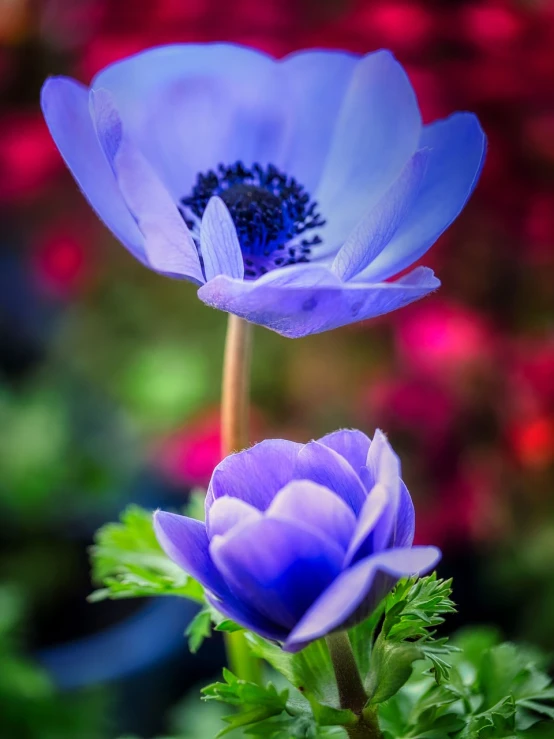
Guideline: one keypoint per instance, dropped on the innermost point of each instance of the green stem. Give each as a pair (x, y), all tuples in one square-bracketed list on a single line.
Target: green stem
[(351, 690), (235, 411)]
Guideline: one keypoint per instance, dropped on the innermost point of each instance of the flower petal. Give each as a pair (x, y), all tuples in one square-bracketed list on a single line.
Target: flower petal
[(317, 82), (65, 107), (276, 567), (219, 242), (351, 444), (226, 513), (316, 506), (191, 106), (377, 131), (254, 475), (353, 586), (312, 299), (384, 467), (403, 536), (377, 227), (321, 464), (185, 541), (456, 155), (169, 246), (361, 544), (237, 611)]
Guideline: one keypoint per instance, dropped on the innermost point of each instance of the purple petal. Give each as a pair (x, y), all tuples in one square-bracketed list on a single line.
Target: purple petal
[(65, 107), (226, 513), (351, 444), (277, 568), (311, 299), (316, 506), (317, 82), (361, 544), (353, 586), (254, 475), (374, 231), (220, 245), (250, 619), (323, 465), (457, 151), (384, 466), (169, 246), (377, 131), (403, 535), (185, 541), (190, 106)]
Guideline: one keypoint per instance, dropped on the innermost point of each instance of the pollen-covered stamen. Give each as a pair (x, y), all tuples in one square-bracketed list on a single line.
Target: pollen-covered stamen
[(269, 211)]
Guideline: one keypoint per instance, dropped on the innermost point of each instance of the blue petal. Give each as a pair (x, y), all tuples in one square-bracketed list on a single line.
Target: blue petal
[(405, 519), (65, 107), (351, 444), (353, 586), (237, 611), (310, 299), (226, 513), (254, 475), (377, 131), (191, 106), (361, 544), (169, 246), (277, 568), (317, 82), (317, 507), (384, 467), (219, 242), (321, 464), (380, 223), (457, 152), (185, 541)]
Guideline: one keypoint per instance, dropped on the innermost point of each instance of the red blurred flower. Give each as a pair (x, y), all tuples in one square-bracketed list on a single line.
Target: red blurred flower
[(60, 263)]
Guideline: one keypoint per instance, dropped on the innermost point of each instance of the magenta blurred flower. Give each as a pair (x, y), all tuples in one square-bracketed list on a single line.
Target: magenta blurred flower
[(203, 159), (301, 540)]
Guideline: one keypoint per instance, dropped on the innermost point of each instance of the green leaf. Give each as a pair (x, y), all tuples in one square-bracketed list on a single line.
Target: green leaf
[(310, 670), (412, 611), (127, 559), (256, 702), (200, 628)]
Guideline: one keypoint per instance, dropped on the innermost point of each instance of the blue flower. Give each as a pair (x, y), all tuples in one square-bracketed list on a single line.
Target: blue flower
[(300, 541), (289, 190)]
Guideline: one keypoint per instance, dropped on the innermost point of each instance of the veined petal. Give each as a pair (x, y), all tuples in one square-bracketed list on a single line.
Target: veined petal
[(226, 513), (317, 82), (384, 467), (254, 475), (276, 567), (312, 299), (377, 131), (66, 111), (190, 106), (321, 464), (238, 611), (456, 154), (405, 519), (169, 246), (351, 444), (380, 223), (374, 505), (316, 506), (185, 541), (219, 242), (346, 593)]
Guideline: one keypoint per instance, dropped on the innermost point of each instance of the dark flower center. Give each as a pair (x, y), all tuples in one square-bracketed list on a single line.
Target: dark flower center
[(271, 212)]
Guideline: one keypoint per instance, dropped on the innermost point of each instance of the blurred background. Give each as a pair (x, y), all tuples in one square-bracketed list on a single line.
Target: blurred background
[(109, 374)]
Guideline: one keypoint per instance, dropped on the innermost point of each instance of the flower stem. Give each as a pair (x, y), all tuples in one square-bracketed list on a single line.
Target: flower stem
[(351, 690), (235, 412)]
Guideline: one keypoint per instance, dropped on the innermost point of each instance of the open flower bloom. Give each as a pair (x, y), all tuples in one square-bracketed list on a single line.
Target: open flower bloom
[(301, 540), (289, 190)]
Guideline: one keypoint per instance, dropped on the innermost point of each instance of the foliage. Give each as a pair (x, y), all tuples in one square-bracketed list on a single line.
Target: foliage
[(129, 562)]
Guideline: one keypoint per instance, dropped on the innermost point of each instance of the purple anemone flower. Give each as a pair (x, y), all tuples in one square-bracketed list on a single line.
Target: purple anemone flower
[(289, 190), (301, 540)]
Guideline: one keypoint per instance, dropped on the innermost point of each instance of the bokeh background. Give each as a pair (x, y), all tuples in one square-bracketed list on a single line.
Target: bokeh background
[(109, 374)]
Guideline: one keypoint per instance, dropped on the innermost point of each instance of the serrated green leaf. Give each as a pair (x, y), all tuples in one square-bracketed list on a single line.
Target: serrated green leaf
[(127, 559), (228, 626)]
